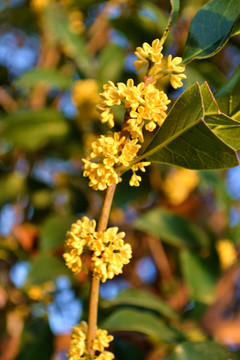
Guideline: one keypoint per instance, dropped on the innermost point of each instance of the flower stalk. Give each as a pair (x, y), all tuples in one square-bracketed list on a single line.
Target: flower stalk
[(95, 283)]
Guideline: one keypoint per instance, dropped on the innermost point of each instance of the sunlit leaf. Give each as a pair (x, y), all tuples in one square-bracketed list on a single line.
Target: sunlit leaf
[(142, 322), (51, 77), (171, 228), (186, 140), (211, 28), (11, 185), (207, 350), (140, 298), (228, 96), (111, 63), (31, 129), (74, 44)]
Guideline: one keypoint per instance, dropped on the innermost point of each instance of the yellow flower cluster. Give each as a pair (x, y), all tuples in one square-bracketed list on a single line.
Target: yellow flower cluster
[(85, 93), (41, 292), (145, 104), (151, 56), (109, 153), (109, 251), (78, 346), (75, 19), (80, 234)]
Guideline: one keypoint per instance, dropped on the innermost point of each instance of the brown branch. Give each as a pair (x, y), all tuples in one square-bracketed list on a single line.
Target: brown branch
[(160, 258), (7, 102), (94, 292)]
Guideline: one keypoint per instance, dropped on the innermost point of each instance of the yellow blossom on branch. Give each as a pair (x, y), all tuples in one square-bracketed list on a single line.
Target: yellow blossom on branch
[(78, 345), (145, 104), (110, 253), (107, 155), (79, 235), (148, 54)]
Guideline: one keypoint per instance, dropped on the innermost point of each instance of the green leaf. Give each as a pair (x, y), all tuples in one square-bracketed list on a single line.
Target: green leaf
[(11, 185), (31, 129), (46, 268), (223, 126), (175, 4), (211, 28), (50, 77), (228, 96), (207, 350), (142, 299), (57, 22), (199, 276), (36, 341), (186, 140), (140, 321), (111, 63), (53, 231), (171, 228)]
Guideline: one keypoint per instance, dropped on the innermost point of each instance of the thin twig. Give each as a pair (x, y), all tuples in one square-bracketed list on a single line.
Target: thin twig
[(94, 292)]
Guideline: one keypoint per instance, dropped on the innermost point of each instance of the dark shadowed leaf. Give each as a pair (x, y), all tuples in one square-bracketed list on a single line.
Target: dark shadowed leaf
[(199, 276), (144, 299), (53, 231), (46, 268), (36, 341), (207, 350), (140, 321), (171, 228), (211, 28)]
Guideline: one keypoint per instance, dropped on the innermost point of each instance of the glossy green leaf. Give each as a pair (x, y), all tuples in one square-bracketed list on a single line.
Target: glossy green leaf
[(111, 63), (186, 140), (31, 129), (36, 341), (11, 185), (50, 77), (75, 45), (207, 350), (46, 268), (171, 228), (53, 231), (223, 126), (144, 299), (211, 28), (140, 321), (228, 96), (199, 276)]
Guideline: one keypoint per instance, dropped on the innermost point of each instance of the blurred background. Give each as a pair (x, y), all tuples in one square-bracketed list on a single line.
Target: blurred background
[(183, 225)]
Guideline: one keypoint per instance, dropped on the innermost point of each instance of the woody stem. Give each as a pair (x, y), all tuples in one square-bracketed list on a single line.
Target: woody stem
[(95, 283)]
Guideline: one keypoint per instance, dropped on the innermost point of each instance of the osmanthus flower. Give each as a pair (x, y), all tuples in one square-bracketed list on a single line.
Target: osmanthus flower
[(79, 235), (175, 71), (148, 54), (110, 253), (78, 344), (145, 105), (85, 94), (109, 153)]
